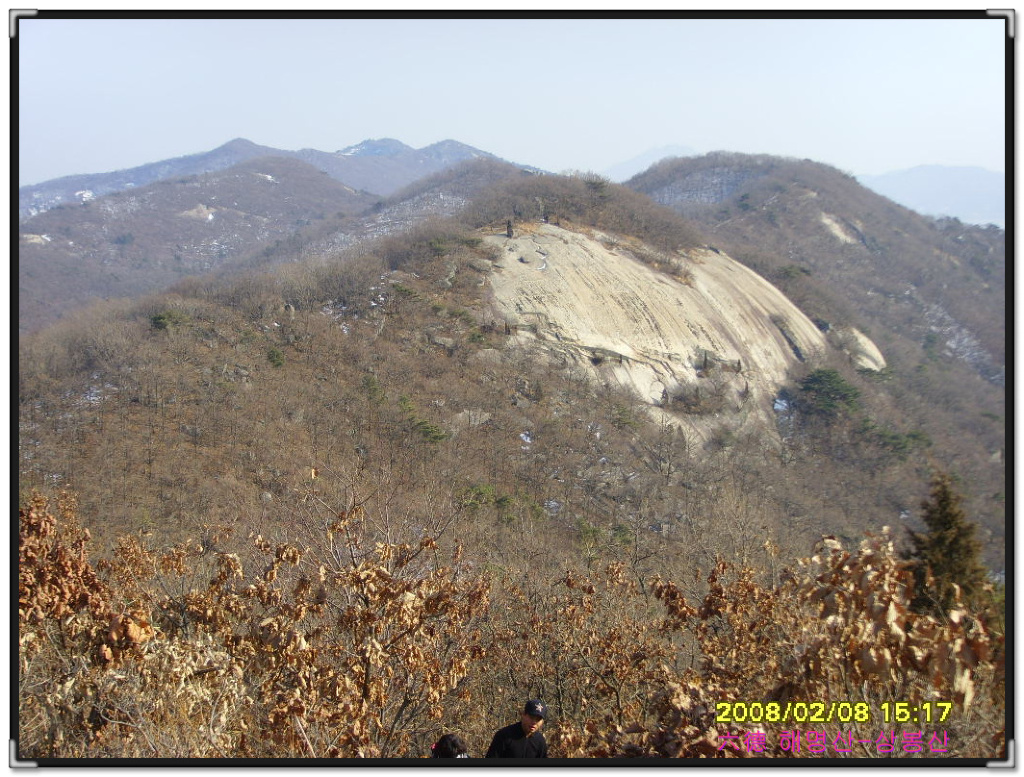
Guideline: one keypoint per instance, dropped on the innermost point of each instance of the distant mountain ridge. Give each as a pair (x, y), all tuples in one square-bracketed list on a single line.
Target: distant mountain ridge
[(379, 167), (625, 170), (73, 189), (972, 194), (253, 214), (147, 237)]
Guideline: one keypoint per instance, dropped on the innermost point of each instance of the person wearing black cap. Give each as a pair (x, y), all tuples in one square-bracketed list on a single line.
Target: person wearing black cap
[(522, 739)]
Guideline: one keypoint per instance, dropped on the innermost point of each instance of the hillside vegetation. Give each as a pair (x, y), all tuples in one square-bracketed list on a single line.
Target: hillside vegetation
[(931, 294), (331, 508), (145, 239), (802, 222)]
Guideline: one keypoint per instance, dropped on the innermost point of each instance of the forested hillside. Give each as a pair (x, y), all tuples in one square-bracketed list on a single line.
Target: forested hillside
[(332, 509), (145, 239), (931, 294), (814, 229)]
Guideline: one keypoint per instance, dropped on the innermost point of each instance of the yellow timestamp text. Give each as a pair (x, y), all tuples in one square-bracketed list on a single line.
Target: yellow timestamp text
[(831, 711)]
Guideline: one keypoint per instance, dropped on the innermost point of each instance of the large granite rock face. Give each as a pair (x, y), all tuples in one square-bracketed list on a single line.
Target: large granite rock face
[(707, 345)]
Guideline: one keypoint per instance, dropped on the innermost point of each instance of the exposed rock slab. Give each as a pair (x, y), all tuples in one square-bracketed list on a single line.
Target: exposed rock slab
[(587, 300), (861, 349)]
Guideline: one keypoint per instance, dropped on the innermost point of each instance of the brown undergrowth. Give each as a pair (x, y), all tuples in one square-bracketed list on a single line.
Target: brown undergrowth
[(353, 646)]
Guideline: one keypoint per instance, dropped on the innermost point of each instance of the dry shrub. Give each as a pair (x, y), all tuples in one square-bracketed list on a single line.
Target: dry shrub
[(71, 631), (839, 629), (337, 651), (358, 646)]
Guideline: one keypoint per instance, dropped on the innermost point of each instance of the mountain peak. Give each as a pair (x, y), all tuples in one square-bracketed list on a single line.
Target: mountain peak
[(238, 144), (378, 147), (447, 144), (451, 151)]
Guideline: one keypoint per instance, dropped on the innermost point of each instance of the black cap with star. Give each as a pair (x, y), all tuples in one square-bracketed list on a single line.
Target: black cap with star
[(537, 708)]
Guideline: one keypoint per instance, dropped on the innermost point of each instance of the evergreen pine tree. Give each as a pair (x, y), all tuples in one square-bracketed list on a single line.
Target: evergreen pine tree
[(948, 550)]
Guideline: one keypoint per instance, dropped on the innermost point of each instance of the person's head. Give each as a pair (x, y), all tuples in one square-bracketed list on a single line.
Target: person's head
[(533, 716), (449, 746)]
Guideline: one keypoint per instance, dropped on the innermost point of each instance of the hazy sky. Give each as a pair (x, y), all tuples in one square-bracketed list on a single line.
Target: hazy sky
[(867, 96)]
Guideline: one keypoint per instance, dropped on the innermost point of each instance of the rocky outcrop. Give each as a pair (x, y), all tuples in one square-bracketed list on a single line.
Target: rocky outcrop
[(864, 354), (708, 347), (710, 186)]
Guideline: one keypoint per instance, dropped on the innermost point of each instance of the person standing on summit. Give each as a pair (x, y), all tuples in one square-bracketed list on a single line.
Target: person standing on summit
[(522, 739)]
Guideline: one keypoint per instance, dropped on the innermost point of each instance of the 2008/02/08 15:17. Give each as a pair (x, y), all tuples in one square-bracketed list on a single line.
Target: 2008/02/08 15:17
[(826, 712)]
